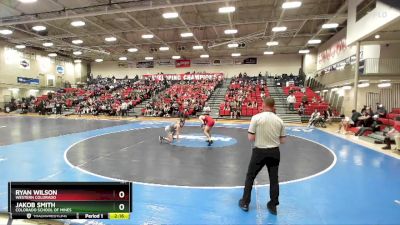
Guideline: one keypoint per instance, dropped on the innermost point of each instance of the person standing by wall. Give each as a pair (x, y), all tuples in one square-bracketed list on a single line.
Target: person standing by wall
[(267, 131)]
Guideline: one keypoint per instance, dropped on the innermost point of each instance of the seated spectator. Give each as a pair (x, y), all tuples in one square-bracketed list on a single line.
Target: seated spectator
[(381, 111), (363, 109), (374, 126), (315, 116), (301, 109), (395, 133), (345, 123), (254, 104), (234, 109), (355, 118), (314, 100), (206, 109), (304, 100)]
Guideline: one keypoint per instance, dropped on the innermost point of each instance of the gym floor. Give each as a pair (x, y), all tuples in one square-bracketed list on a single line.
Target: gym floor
[(325, 179)]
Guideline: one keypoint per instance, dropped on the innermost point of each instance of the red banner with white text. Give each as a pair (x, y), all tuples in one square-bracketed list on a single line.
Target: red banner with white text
[(189, 76), (182, 63)]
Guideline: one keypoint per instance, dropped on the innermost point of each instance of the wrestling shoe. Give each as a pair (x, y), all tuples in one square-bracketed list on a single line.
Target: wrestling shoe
[(272, 208), (160, 139), (243, 206), (210, 142)]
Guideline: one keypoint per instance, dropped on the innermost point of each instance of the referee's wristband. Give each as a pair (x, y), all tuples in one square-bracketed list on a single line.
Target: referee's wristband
[(251, 132)]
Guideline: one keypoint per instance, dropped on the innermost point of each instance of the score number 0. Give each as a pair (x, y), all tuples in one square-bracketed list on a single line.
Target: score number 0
[(121, 195)]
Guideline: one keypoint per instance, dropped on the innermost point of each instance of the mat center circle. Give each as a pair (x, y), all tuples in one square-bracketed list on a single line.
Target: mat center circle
[(138, 156), (199, 140)]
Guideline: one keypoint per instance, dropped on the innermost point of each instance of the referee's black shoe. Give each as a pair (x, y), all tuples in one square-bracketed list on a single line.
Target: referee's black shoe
[(243, 206), (272, 208)]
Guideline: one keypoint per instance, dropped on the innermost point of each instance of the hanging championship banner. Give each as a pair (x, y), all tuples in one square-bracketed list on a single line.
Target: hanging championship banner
[(189, 76), (204, 62), (165, 62), (182, 63), (145, 64)]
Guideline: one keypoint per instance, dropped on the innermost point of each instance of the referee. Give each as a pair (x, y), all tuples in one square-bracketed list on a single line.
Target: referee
[(268, 132)]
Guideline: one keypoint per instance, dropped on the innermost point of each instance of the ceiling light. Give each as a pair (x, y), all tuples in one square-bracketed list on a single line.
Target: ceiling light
[(99, 60), (123, 58), (170, 15), (204, 56), (291, 5), (236, 54), (198, 47), (314, 41), (77, 42), (305, 51), (27, 1), (363, 81), (39, 28), (52, 54), (346, 87), (385, 81), (176, 57), (110, 39), (330, 25), (20, 46), (132, 50), (48, 44), (231, 31), (363, 85), (279, 29), (148, 58), (233, 45), (384, 85), (77, 53), (6, 32), (164, 48), (272, 43), (147, 36), (187, 34), (268, 53), (377, 36), (77, 61), (78, 23), (227, 9)]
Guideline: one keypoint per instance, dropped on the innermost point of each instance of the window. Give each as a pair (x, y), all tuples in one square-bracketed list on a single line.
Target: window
[(364, 8)]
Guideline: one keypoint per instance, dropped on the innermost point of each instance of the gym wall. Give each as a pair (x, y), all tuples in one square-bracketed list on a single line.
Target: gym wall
[(275, 64)]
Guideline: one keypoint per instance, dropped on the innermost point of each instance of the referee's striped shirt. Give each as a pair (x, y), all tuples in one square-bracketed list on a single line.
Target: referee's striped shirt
[(268, 128)]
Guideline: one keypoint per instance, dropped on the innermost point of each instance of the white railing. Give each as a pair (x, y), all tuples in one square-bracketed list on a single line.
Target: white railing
[(381, 66)]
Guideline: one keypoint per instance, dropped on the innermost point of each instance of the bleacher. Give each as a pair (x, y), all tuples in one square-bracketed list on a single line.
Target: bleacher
[(310, 94), (180, 93), (253, 94)]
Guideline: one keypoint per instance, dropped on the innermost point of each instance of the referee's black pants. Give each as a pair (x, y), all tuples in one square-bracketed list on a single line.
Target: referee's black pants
[(261, 157)]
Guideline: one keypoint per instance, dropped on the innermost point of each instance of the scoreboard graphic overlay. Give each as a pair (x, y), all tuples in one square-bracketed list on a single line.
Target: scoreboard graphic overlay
[(69, 200)]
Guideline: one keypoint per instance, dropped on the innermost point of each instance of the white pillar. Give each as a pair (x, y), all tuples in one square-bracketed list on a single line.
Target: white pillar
[(356, 75)]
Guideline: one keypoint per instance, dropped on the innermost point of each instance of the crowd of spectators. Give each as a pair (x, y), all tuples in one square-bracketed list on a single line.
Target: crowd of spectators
[(367, 121), (182, 99), (109, 96), (285, 79), (244, 96)]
